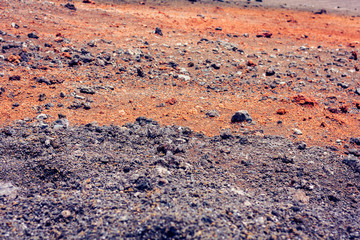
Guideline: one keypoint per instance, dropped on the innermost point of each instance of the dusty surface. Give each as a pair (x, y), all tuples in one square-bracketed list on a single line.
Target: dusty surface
[(125, 34), (340, 7), (296, 74)]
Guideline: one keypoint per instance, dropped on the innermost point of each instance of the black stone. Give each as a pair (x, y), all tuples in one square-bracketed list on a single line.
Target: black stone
[(70, 6), (158, 31)]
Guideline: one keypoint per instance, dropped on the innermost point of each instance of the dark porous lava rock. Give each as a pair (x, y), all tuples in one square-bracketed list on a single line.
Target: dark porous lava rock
[(241, 116), (144, 181)]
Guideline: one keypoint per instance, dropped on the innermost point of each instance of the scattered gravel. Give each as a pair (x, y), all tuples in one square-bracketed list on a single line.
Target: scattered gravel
[(146, 181), (143, 181)]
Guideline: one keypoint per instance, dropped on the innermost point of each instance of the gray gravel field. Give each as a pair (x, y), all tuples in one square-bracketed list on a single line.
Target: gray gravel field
[(144, 181)]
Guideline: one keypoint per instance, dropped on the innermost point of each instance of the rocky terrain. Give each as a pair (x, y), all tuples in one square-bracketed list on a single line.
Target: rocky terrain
[(143, 181), (93, 95), (113, 63)]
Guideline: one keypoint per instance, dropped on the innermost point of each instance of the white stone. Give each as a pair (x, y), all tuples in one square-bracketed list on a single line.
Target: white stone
[(184, 77), (297, 131)]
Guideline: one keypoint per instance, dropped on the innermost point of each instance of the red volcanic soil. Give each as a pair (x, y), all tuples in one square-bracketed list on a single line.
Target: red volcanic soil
[(289, 69)]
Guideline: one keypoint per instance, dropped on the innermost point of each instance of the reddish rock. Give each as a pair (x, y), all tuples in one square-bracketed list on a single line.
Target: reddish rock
[(58, 39), (344, 108), (66, 54), (357, 105), (304, 101), (251, 63), (281, 111), (333, 110), (355, 55), (265, 35), (301, 196), (171, 101), (14, 59)]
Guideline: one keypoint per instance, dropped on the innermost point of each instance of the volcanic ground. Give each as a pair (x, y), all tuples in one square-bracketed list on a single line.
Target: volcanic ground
[(117, 121)]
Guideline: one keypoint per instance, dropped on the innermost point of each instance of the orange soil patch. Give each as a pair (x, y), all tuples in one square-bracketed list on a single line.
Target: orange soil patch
[(186, 105)]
